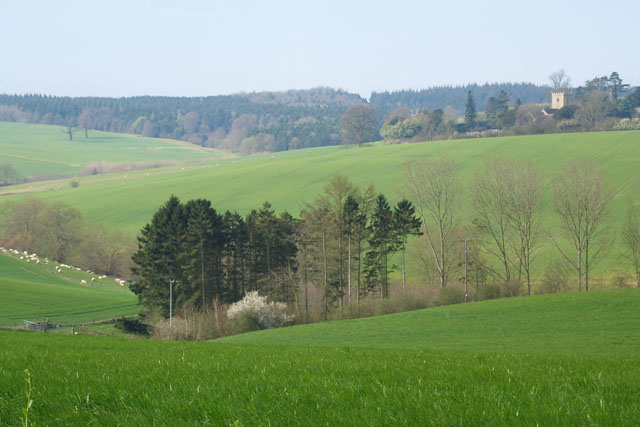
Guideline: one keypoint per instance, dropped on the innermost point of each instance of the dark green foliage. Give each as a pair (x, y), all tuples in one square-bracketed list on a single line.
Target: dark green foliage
[(565, 113), (470, 112), (488, 291), (383, 242), (442, 96), (134, 326), (406, 224), (210, 257)]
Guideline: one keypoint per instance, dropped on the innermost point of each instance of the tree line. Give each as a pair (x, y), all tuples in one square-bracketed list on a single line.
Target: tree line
[(342, 242), (341, 247), (58, 231)]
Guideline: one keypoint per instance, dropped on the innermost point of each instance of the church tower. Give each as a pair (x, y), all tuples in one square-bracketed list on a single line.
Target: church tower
[(559, 99)]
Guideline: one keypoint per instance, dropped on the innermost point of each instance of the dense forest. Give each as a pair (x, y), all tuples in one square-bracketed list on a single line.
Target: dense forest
[(455, 96), (248, 123), (245, 123)]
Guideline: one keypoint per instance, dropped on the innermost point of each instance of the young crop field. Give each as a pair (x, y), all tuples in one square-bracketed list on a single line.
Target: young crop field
[(290, 179), (36, 150), (550, 360), (37, 292)]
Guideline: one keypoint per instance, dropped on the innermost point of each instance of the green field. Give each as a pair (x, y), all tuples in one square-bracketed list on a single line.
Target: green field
[(289, 179), (36, 150), (36, 292), (569, 359)]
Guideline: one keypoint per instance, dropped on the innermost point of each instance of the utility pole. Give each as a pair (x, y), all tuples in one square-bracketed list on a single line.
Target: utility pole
[(466, 253), (170, 300)]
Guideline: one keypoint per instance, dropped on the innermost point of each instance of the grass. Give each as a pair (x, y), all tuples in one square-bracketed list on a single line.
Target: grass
[(36, 292), (377, 371), (44, 150), (290, 179)]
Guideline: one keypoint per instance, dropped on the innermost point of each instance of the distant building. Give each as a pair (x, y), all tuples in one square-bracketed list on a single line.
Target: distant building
[(559, 100)]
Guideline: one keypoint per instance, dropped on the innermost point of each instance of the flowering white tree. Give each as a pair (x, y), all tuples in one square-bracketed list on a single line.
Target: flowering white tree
[(265, 314)]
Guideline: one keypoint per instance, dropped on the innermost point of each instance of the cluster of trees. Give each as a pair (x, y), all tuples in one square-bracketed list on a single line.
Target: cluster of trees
[(603, 103), (206, 256), (598, 105), (340, 248), (58, 231), (455, 97)]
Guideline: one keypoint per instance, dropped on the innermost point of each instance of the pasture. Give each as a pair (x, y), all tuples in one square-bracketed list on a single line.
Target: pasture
[(36, 292), (548, 360), (36, 150)]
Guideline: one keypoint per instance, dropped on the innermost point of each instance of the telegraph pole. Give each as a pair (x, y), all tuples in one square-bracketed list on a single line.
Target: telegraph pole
[(170, 300), (466, 253)]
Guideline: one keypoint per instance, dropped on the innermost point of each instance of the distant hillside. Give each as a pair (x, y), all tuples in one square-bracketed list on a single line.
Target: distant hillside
[(244, 123), (442, 96)]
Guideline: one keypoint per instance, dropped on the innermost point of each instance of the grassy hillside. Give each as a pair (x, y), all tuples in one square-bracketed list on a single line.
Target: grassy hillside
[(507, 362), (40, 149), (290, 179), (36, 292), (604, 322)]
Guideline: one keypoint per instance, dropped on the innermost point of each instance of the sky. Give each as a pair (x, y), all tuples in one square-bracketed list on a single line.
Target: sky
[(201, 48)]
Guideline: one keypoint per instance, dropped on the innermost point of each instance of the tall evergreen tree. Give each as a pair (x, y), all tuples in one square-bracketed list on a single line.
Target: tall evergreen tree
[(157, 260), (470, 112), (406, 224), (383, 242)]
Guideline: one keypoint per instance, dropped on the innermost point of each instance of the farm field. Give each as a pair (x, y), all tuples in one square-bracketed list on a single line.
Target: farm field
[(36, 150), (290, 179), (36, 292), (523, 361)]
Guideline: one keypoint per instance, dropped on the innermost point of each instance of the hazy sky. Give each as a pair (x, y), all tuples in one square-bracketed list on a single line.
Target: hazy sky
[(198, 47)]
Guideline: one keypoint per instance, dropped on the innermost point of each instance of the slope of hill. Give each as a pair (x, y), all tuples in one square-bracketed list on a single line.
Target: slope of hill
[(290, 179), (36, 150), (391, 370), (580, 323), (36, 292)]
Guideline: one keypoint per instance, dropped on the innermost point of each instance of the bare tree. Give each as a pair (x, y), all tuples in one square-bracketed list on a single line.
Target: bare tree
[(524, 203), (631, 238), (359, 124), (69, 128), (560, 81), (86, 120), (580, 199), (491, 192), (433, 186)]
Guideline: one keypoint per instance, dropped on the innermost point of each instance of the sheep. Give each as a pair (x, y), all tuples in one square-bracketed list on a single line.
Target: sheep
[(84, 282)]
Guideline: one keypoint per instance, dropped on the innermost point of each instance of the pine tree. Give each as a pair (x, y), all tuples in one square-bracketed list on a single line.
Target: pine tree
[(406, 224), (470, 112), (383, 242)]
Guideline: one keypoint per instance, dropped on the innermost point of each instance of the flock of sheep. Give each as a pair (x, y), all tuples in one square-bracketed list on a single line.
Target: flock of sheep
[(25, 256)]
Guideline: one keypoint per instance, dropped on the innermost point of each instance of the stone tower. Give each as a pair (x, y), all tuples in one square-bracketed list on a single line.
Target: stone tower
[(559, 99)]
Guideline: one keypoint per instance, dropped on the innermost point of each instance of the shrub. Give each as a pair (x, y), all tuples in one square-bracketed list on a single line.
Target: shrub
[(489, 291), (511, 288), (556, 278), (619, 280), (192, 324), (253, 312), (74, 183), (451, 295), (134, 326)]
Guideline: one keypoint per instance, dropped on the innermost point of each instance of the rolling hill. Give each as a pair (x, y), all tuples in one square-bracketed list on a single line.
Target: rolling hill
[(550, 360), (36, 150), (36, 292)]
